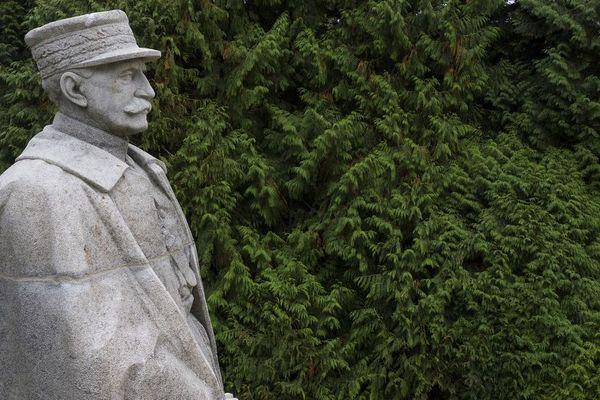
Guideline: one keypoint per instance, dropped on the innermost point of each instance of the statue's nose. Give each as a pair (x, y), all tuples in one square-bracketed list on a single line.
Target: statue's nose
[(145, 90)]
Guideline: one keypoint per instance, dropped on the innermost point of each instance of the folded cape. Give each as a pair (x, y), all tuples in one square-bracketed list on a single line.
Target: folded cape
[(82, 313)]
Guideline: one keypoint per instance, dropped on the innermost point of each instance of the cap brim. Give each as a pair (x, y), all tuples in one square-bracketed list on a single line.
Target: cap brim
[(120, 55)]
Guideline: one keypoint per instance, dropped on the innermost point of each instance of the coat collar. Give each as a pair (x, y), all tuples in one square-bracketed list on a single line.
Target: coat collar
[(97, 167), (115, 145)]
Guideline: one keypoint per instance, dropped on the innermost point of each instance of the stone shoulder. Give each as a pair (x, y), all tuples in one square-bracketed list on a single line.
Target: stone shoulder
[(38, 178), (50, 226)]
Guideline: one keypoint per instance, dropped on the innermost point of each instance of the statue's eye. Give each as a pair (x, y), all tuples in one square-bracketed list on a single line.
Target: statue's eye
[(126, 76)]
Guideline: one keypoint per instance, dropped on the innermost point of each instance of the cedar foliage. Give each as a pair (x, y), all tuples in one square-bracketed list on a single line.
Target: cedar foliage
[(392, 199)]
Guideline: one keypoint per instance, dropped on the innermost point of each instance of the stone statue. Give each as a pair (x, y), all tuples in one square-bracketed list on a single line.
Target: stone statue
[(100, 295)]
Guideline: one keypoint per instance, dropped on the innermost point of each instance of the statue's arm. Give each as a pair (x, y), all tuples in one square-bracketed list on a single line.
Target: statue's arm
[(25, 230)]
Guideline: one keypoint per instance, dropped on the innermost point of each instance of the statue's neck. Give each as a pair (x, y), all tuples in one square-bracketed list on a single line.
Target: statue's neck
[(115, 145)]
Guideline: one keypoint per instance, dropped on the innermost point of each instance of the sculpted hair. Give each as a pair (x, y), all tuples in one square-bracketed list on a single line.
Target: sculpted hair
[(51, 84)]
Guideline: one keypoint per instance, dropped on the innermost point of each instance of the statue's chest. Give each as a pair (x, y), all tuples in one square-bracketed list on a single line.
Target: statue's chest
[(149, 213), (152, 219)]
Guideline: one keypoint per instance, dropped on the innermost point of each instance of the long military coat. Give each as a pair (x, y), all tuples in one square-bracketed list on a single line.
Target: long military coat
[(82, 313)]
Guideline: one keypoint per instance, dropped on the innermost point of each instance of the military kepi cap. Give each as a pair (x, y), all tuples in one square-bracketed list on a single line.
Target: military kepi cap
[(85, 41)]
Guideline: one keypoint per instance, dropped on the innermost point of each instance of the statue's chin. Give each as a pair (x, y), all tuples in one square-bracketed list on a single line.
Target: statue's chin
[(132, 127)]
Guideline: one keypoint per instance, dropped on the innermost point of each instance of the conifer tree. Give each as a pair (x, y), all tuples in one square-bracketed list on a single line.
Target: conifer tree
[(548, 73)]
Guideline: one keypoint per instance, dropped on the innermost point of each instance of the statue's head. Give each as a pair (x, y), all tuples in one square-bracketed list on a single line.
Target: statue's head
[(93, 69)]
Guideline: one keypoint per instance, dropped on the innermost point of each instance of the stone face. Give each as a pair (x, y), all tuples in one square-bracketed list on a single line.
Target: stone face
[(100, 293)]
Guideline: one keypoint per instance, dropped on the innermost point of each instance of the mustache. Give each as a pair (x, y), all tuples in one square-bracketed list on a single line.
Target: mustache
[(138, 106)]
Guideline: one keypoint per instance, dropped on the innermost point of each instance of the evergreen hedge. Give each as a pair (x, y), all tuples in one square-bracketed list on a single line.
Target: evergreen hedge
[(393, 199)]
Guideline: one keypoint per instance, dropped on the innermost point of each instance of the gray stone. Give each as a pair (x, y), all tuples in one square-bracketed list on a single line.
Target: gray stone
[(100, 292)]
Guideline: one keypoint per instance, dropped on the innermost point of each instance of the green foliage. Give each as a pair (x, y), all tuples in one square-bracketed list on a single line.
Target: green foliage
[(549, 73), (392, 199)]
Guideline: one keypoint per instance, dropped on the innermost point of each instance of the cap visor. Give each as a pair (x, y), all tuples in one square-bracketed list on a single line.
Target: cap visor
[(120, 55)]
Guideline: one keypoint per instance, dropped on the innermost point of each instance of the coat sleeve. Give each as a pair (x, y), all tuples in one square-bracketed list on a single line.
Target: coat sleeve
[(38, 233)]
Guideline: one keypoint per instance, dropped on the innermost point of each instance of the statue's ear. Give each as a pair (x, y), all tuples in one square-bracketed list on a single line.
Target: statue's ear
[(70, 86)]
